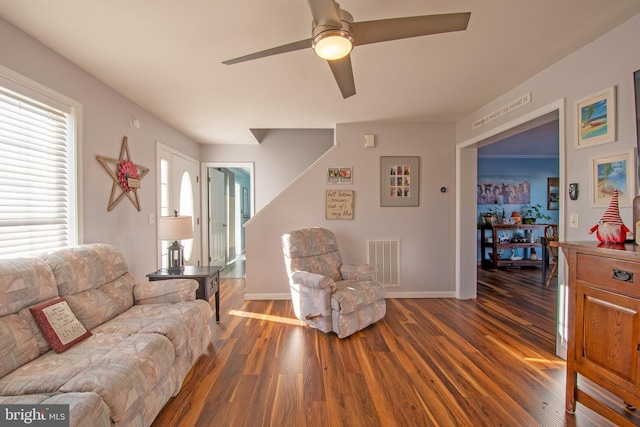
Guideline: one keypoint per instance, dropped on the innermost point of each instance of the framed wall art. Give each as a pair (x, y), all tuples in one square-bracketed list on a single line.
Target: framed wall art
[(399, 181), (339, 176), (611, 172), (504, 190), (553, 194), (595, 118)]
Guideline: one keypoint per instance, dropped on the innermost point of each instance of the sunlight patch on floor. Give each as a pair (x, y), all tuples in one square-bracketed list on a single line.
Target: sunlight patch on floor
[(532, 358), (546, 362), (267, 317)]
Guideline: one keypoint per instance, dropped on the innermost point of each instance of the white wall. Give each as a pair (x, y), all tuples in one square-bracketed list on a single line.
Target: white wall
[(608, 61), (425, 232), (278, 160), (106, 122)]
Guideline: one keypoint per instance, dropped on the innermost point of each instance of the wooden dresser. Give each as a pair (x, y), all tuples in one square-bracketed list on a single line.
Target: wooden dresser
[(604, 325)]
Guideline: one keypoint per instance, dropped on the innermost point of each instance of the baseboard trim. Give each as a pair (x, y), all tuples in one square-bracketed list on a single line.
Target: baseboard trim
[(434, 294), (267, 296)]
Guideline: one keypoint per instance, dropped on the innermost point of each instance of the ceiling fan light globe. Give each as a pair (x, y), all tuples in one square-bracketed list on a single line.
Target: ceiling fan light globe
[(332, 45)]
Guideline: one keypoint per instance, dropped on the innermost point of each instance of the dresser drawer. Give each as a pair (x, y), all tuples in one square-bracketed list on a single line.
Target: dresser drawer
[(609, 273)]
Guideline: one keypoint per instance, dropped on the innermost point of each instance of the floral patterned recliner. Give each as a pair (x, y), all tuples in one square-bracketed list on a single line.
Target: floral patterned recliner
[(327, 294)]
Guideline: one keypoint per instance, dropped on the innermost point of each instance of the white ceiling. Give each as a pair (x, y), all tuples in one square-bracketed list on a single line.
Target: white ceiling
[(166, 56)]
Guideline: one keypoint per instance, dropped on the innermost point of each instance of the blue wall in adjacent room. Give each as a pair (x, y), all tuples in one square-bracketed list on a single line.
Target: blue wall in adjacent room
[(536, 170)]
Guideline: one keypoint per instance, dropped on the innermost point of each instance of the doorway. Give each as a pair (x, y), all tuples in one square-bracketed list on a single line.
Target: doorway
[(466, 206), (514, 172), (179, 180), (227, 205)]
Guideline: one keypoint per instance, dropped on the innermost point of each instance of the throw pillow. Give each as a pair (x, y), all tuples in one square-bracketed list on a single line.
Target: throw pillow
[(58, 324)]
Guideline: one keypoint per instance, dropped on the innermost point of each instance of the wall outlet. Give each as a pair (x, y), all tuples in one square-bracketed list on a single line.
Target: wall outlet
[(573, 220), (152, 218)]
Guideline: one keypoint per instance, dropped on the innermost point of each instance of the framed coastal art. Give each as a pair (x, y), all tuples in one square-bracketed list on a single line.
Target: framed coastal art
[(399, 181), (615, 171), (595, 118)]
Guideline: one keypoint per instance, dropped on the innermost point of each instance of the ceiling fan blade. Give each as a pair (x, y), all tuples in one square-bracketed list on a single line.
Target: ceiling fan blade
[(343, 73), (368, 32), (325, 12), (299, 45)]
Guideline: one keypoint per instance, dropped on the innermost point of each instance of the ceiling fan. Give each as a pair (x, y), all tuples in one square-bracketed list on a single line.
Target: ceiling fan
[(334, 34)]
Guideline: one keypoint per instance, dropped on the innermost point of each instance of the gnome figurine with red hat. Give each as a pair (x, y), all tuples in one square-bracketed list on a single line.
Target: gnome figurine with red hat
[(610, 229)]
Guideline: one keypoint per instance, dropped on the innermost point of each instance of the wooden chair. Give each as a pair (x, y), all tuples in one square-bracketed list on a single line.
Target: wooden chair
[(551, 234)]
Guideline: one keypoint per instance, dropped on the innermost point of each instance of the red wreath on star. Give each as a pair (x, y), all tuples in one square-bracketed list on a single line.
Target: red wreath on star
[(126, 170)]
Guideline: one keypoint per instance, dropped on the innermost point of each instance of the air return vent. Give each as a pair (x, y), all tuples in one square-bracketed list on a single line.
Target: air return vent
[(385, 254)]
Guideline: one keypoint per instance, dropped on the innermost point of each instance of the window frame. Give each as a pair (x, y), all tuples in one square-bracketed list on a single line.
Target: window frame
[(27, 87)]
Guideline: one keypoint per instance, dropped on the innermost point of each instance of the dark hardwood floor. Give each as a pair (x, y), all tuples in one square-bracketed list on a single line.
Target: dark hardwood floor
[(234, 270), (489, 361)]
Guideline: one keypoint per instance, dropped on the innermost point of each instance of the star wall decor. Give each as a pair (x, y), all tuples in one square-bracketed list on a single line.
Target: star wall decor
[(126, 176)]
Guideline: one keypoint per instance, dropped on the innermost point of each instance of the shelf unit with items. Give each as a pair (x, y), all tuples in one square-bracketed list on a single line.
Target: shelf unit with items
[(511, 245)]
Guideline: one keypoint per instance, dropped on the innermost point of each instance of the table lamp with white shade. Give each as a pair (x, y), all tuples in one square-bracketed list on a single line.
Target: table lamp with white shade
[(175, 228)]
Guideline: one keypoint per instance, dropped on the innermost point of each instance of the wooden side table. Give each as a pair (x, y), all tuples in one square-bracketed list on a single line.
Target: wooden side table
[(208, 278)]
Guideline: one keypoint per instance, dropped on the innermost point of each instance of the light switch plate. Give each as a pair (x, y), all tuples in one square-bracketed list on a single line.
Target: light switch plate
[(573, 220)]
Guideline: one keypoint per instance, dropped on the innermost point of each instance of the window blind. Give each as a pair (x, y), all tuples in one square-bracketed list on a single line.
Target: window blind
[(36, 206)]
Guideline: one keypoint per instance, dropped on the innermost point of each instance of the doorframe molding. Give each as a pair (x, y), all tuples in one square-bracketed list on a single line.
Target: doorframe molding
[(466, 204), (161, 147), (203, 196)]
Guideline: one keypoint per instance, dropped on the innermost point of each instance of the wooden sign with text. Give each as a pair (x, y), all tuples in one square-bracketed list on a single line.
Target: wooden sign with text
[(339, 204)]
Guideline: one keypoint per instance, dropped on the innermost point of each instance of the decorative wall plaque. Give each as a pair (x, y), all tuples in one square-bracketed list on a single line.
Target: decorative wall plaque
[(126, 176)]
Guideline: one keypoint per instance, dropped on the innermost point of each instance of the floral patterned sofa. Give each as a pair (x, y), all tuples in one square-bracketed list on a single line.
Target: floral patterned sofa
[(139, 342)]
